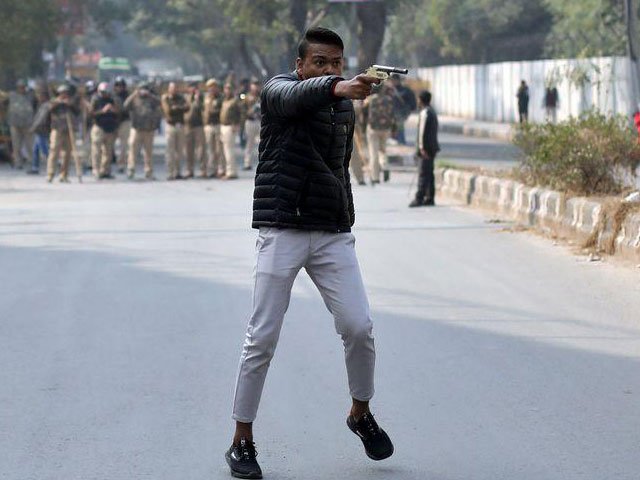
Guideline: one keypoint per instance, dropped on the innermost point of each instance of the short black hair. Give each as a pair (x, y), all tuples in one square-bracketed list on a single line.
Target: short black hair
[(425, 97), (320, 35)]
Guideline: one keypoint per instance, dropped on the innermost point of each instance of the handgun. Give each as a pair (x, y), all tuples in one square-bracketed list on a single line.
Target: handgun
[(382, 72)]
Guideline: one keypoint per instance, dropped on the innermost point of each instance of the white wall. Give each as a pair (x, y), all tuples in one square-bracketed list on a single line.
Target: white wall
[(488, 92)]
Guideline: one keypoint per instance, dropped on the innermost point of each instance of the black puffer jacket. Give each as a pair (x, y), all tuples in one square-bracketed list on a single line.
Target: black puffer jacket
[(306, 137)]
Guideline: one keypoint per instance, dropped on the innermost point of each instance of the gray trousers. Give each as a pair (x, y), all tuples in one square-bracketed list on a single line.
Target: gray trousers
[(330, 260)]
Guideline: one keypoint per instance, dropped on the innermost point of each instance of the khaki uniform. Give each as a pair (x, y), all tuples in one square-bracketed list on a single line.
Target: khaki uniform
[(174, 107), (230, 119), (20, 119), (378, 109), (358, 154), (194, 135), (213, 137), (145, 115), (251, 128), (124, 130), (60, 140)]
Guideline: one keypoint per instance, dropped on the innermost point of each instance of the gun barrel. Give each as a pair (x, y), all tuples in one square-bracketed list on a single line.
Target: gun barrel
[(382, 68)]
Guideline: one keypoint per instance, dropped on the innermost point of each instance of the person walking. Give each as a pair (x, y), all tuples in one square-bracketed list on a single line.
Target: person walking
[(174, 107), (523, 102), (551, 103), (427, 147), (41, 129), (380, 120), (230, 120), (212, 108), (252, 122), (106, 119), (404, 103), (61, 111), (145, 112), (120, 94), (194, 132), (20, 117), (304, 211)]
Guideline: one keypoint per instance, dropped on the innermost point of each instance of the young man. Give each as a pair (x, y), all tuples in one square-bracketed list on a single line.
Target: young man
[(304, 211), (427, 147)]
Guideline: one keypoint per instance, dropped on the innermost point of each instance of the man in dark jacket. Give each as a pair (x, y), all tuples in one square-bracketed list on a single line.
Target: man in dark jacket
[(427, 147), (304, 211), (106, 119)]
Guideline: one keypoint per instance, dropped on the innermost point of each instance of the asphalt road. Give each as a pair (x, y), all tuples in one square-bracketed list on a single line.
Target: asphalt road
[(122, 313)]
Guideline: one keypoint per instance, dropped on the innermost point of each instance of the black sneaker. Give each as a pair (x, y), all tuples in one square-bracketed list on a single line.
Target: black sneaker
[(386, 175), (242, 460), (417, 203), (377, 444)]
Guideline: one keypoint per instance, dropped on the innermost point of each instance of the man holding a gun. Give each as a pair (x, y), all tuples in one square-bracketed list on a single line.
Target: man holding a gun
[(304, 211)]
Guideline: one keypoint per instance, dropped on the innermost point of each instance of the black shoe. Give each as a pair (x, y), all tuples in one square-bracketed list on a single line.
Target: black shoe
[(362, 182), (242, 460), (417, 203), (430, 203), (247, 168), (386, 175), (33, 172), (377, 444)]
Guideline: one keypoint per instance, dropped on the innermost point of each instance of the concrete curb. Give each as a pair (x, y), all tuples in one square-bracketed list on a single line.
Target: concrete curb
[(470, 129), (588, 221)]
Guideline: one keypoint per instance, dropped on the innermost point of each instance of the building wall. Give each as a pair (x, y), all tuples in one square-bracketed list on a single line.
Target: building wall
[(488, 92)]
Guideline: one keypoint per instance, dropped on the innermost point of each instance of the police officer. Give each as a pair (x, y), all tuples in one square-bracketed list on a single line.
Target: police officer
[(212, 108), (380, 119), (252, 122), (145, 112), (174, 106), (61, 110), (121, 93), (21, 110), (194, 132), (106, 119), (230, 120)]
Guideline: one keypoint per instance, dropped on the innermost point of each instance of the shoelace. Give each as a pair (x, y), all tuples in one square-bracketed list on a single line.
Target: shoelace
[(247, 450), (370, 424)]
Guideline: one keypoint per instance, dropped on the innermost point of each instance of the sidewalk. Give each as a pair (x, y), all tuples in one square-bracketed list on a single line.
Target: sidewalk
[(469, 127)]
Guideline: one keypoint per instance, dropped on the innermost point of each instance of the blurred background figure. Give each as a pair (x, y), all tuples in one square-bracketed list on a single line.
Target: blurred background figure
[(21, 111), (194, 132), (380, 115), (174, 107), (230, 121), (523, 102), (252, 122), (106, 120), (144, 109), (212, 107), (41, 129), (120, 94)]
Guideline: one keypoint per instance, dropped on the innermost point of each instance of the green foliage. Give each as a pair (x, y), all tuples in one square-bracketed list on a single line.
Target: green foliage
[(590, 155), (27, 27), (585, 28), (470, 31)]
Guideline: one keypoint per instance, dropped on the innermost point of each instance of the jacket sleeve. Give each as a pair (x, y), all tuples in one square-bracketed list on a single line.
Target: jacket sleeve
[(347, 175), (286, 96)]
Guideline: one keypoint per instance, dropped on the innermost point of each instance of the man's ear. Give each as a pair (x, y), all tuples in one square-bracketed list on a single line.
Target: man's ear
[(299, 67)]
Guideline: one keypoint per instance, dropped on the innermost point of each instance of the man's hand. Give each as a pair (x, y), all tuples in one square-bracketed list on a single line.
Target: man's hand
[(358, 88)]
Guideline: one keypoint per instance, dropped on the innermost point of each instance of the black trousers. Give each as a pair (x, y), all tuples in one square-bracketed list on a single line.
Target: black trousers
[(426, 180)]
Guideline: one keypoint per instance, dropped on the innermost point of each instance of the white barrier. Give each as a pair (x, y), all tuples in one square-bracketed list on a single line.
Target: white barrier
[(488, 92)]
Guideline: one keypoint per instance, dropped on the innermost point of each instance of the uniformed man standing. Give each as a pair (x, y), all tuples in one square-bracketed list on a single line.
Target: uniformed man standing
[(251, 123), (121, 93), (90, 90), (212, 107), (61, 110), (230, 120), (380, 118), (174, 106), (194, 132), (145, 112), (21, 110), (359, 154), (106, 119)]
